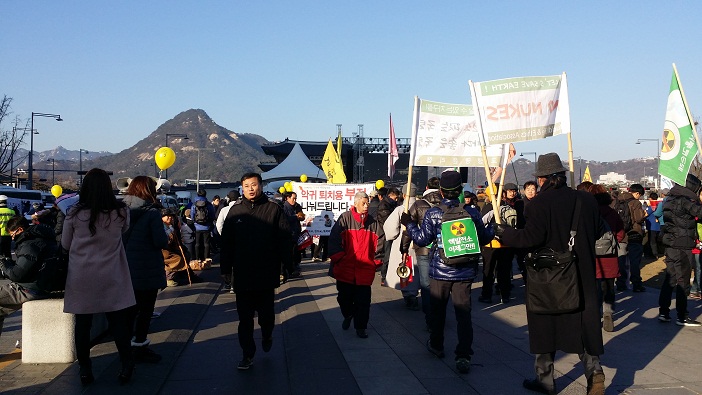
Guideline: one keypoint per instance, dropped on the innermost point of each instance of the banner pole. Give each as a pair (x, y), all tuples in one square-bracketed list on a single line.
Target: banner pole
[(483, 143), (687, 112), (571, 166)]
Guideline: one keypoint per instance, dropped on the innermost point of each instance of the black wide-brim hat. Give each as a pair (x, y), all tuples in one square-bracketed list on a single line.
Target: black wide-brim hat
[(548, 164)]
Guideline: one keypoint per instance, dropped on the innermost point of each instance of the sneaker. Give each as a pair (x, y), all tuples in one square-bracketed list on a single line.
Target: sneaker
[(245, 364), (172, 283), (266, 344), (621, 288), (688, 322), (664, 318), (144, 354), (226, 287), (362, 333), (639, 288), (505, 299), (608, 323), (346, 324), (316, 260), (439, 353), (463, 365), (695, 295)]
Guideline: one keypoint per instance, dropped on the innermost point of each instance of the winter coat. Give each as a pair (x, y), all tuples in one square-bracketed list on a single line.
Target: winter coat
[(392, 229), (680, 228), (356, 248), (638, 214), (210, 214), (385, 207), (98, 278), (608, 266), (255, 243), (431, 198), (187, 231), (548, 222), (143, 243), (430, 231), (32, 247), (293, 220)]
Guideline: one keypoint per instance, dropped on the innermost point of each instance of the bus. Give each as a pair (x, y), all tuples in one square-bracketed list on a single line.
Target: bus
[(21, 199)]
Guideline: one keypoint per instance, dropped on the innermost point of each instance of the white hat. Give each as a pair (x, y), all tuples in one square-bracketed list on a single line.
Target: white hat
[(3, 198)]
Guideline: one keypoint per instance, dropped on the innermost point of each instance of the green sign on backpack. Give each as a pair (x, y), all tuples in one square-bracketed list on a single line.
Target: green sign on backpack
[(459, 237)]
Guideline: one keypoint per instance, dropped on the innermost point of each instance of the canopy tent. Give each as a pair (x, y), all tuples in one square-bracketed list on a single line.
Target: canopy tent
[(293, 166)]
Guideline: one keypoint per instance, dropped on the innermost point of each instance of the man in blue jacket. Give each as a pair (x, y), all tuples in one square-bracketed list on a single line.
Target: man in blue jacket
[(202, 213), (449, 281)]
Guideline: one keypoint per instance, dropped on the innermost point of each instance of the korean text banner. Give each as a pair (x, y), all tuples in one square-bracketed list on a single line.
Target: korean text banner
[(318, 200), (679, 147), (522, 109), (446, 135)]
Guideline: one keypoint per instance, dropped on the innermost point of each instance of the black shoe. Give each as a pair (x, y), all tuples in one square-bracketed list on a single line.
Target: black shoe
[(621, 288), (484, 299), (505, 299), (346, 324), (86, 375), (126, 373), (144, 354), (536, 386), (688, 322), (362, 333), (639, 288), (266, 344), (437, 352), (245, 364)]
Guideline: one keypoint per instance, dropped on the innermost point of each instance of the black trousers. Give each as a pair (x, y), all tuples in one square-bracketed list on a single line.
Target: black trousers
[(459, 292), (120, 325), (354, 300), (678, 270), (6, 246), (543, 365), (142, 312), (497, 262), (202, 245), (322, 246), (248, 303), (386, 259)]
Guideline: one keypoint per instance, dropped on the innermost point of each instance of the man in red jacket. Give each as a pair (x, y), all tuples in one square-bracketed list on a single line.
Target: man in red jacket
[(355, 249)]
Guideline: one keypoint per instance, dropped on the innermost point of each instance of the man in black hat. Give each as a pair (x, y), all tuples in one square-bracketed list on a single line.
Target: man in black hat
[(449, 281), (549, 223)]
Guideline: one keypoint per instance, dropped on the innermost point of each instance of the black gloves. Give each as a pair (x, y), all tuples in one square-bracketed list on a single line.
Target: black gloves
[(499, 230), (405, 219)]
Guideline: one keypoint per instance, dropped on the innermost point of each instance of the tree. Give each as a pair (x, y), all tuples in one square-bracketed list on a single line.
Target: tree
[(11, 137)]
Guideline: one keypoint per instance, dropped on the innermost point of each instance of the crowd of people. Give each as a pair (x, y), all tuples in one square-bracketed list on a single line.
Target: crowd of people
[(445, 231)]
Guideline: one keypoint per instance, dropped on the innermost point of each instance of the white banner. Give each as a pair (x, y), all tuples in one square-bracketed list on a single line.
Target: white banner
[(522, 108), (318, 200), (446, 135)]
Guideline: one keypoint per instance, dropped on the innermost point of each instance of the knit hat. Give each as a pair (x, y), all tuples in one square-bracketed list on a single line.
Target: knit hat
[(548, 164), (450, 180), (412, 189), (510, 187)]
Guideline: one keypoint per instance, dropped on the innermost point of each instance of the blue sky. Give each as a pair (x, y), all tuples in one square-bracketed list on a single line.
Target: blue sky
[(115, 71)]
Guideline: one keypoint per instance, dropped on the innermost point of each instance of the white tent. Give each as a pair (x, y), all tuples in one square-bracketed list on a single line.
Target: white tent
[(293, 166)]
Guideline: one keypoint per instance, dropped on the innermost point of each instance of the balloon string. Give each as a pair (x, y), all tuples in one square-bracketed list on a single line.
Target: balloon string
[(160, 174)]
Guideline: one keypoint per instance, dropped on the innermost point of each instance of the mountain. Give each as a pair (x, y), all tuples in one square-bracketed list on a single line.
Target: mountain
[(223, 155)]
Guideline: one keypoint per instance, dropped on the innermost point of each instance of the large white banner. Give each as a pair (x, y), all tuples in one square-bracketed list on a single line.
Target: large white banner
[(318, 200), (522, 108), (446, 135)]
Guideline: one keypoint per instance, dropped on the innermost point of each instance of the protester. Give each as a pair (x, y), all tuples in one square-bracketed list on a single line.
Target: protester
[(653, 226), (143, 243), (681, 209), (98, 273), (530, 188), (5, 239), (548, 224), (33, 244), (449, 281), (388, 202), (633, 215), (323, 245), (255, 244), (202, 213), (355, 248), (187, 234), (289, 207)]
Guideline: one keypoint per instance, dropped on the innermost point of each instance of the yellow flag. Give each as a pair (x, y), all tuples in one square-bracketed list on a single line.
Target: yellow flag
[(586, 176), (332, 166)]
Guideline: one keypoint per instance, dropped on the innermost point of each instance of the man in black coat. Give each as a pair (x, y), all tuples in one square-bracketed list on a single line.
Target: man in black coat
[(255, 244), (548, 222), (679, 237)]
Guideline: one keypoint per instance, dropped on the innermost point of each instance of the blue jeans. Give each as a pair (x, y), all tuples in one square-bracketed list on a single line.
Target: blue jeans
[(423, 272), (635, 250)]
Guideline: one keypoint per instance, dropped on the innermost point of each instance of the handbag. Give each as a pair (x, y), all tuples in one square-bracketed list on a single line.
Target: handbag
[(53, 272), (304, 240), (552, 281), (607, 244)]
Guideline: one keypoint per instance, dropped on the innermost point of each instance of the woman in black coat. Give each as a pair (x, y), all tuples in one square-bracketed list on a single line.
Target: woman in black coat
[(548, 223)]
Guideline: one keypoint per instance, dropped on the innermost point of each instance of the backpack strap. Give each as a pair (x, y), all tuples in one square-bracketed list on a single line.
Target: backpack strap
[(574, 225)]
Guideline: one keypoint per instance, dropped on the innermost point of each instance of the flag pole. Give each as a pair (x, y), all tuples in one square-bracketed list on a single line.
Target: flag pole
[(415, 126), (687, 112), (571, 166)]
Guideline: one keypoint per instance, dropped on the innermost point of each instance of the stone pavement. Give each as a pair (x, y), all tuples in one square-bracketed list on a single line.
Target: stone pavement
[(195, 334)]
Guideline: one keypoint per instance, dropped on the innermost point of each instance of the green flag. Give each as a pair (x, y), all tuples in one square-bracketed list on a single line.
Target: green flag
[(679, 146)]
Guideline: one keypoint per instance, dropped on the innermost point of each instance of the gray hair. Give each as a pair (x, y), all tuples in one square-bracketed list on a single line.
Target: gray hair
[(359, 196)]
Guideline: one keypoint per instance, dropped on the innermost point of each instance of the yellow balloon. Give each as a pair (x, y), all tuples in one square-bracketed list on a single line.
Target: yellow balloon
[(379, 184), (303, 177), (288, 186), (281, 189), (56, 190), (165, 158)]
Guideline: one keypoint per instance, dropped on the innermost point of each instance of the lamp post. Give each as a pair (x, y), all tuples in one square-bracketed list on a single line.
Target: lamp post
[(80, 163), (31, 144), (53, 169), (658, 159), (184, 136), (531, 153), (12, 154), (197, 179)]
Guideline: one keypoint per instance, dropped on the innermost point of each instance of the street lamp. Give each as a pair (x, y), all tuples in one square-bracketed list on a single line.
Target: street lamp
[(658, 158), (531, 153), (12, 153), (53, 169), (31, 144), (80, 163), (184, 136), (197, 180)]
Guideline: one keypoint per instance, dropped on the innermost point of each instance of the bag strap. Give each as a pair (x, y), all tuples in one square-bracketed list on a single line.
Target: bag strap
[(574, 225)]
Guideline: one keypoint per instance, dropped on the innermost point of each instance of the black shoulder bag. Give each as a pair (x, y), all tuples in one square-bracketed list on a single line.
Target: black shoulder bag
[(553, 283)]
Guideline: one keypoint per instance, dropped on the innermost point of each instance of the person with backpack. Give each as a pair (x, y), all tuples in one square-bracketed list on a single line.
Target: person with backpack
[(633, 216), (430, 198), (681, 210), (452, 270), (33, 245), (202, 213)]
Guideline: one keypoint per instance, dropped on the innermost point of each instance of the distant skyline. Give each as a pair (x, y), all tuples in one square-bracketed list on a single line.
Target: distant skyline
[(116, 71)]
